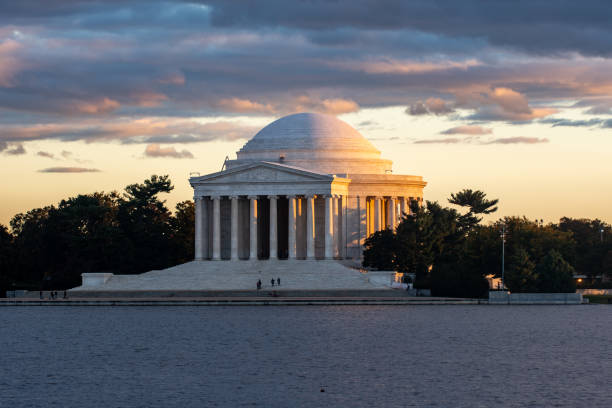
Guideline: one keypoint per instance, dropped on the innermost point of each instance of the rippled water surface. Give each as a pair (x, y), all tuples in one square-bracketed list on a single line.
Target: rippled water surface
[(362, 356)]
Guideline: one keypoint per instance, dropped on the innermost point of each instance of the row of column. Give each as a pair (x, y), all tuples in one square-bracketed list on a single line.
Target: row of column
[(393, 215), (332, 211)]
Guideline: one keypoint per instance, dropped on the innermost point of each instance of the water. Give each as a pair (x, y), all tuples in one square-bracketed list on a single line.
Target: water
[(362, 356)]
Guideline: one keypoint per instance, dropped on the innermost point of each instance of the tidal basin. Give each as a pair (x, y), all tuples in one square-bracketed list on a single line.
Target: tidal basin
[(360, 356)]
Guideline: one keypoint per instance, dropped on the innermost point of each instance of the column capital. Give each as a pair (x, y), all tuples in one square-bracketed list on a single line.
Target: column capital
[(234, 197), (215, 197), (273, 197), (253, 197), (198, 198)]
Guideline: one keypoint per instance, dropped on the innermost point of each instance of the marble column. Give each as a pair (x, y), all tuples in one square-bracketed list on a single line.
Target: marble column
[(310, 227), (199, 233), (216, 228), (253, 228), (234, 232), (336, 226), (329, 228), (392, 213), (292, 227), (362, 203), (273, 227), (377, 214)]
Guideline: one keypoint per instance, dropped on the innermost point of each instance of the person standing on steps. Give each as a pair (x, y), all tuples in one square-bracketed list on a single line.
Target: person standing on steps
[(272, 282), (258, 284), (278, 281)]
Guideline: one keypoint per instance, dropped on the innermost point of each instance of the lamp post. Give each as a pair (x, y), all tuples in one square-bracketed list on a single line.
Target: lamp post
[(503, 237), (601, 230)]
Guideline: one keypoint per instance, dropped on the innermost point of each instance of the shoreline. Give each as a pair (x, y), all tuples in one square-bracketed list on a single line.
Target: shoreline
[(259, 301)]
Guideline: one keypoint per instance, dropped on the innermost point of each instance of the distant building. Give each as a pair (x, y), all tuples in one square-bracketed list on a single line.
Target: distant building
[(307, 186)]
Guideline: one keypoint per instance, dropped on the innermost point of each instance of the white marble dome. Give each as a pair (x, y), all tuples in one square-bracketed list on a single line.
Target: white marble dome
[(314, 142)]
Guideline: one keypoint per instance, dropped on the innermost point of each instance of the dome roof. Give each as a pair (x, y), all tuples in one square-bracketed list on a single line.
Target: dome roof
[(316, 142), (309, 131)]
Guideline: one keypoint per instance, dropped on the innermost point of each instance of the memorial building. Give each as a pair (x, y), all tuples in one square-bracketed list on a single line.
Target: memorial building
[(307, 186)]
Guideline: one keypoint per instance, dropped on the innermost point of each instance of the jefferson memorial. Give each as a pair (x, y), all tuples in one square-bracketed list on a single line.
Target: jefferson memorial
[(307, 186), (298, 202)]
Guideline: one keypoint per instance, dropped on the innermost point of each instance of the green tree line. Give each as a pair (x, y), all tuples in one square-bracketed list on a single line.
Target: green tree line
[(131, 232), (451, 252)]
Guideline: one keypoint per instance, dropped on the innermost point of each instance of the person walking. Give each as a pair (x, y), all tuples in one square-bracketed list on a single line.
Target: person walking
[(278, 281), (258, 284), (272, 282)]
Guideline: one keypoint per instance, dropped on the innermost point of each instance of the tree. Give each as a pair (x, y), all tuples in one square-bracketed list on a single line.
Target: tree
[(589, 249), (6, 259), (145, 223), (379, 250), (476, 202), (183, 231), (520, 273), (555, 275)]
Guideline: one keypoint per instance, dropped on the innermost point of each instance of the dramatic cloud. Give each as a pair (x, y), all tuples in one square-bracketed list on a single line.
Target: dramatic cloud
[(138, 71), (154, 150), (45, 154), (467, 130), (534, 27), (434, 106), (68, 170)]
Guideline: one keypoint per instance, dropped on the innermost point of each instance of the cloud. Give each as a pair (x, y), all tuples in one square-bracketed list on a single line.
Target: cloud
[(517, 140), (303, 103), (434, 106), (10, 63), (478, 141), (535, 27), (450, 140), (68, 170), (505, 104), (3, 146), (17, 150), (573, 123), (144, 130), (45, 154), (467, 130), (238, 105), (102, 105), (154, 150)]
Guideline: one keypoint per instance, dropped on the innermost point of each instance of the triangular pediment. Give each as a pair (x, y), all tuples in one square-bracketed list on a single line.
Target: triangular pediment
[(259, 172)]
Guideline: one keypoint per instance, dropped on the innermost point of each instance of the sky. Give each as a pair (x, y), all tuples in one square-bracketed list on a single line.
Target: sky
[(514, 99)]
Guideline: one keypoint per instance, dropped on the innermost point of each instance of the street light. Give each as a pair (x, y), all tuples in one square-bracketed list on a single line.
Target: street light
[(503, 237), (601, 230)]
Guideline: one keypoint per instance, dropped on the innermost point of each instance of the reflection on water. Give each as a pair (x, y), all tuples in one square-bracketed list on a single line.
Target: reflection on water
[(363, 356)]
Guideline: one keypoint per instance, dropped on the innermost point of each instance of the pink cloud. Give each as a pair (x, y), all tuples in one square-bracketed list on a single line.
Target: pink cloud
[(154, 150), (10, 64), (467, 130), (102, 105)]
